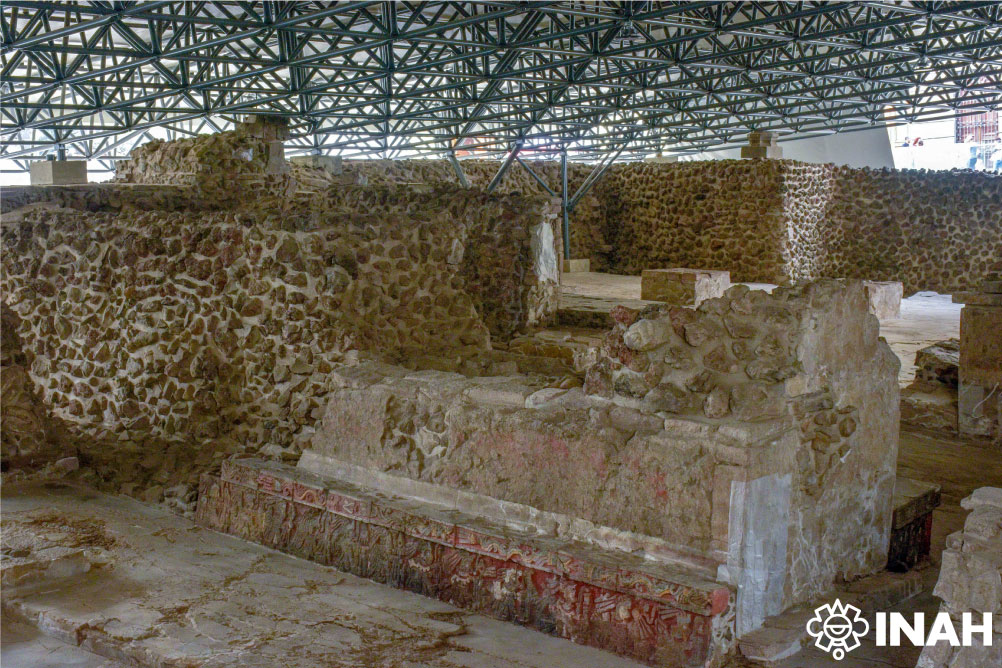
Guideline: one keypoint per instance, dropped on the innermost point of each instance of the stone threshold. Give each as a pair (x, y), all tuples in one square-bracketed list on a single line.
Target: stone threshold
[(660, 615)]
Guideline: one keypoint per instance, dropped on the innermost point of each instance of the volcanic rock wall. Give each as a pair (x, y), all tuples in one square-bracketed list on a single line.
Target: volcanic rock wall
[(588, 234), (929, 230), (778, 221), (772, 221), (187, 313), (704, 215), (28, 433)]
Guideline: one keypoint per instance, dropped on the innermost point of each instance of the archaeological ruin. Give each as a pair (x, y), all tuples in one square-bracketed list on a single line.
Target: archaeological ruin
[(356, 367)]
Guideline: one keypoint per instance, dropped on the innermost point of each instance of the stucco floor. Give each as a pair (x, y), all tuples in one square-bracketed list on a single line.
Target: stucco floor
[(172, 593), (926, 317)]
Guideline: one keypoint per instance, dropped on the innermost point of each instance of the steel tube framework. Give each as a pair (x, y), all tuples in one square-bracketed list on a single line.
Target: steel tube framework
[(391, 79)]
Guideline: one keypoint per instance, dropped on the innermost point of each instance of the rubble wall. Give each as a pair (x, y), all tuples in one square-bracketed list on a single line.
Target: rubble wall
[(724, 215), (778, 221), (589, 237), (28, 433), (807, 356), (188, 325), (931, 230)]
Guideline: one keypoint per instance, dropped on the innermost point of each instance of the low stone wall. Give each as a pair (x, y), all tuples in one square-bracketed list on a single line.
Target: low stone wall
[(931, 230), (732, 433), (970, 582), (724, 215), (779, 220)]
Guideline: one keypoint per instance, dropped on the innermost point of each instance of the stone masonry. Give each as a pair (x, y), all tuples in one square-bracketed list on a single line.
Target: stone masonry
[(719, 437), (970, 581), (770, 221)]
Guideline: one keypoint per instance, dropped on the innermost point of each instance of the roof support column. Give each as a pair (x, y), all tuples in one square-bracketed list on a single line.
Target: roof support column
[(563, 205), (504, 167), (460, 174)]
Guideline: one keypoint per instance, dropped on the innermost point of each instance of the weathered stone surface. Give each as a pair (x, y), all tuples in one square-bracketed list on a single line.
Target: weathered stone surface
[(647, 460), (763, 220), (686, 287), (148, 314), (979, 395), (807, 355), (29, 435), (970, 581), (659, 613), (939, 363), (885, 298)]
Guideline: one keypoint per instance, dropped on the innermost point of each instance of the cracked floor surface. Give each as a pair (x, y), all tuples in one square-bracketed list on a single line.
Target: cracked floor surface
[(138, 585)]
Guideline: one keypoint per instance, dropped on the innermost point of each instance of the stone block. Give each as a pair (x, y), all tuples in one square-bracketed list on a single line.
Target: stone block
[(328, 163), (911, 523), (885, 298), (981, 345), (276, 158), (265, 126), (939, 363), (577, 266), (685, 287), (58, 172), (978, 298), (993, 287), (770, 152)]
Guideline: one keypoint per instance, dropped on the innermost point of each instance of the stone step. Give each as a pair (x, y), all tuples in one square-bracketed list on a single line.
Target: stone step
[(660, 614), (593, 311)]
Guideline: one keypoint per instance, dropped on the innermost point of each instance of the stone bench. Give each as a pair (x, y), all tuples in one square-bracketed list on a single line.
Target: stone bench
[(911, 523), (659, 613), (685, 287)]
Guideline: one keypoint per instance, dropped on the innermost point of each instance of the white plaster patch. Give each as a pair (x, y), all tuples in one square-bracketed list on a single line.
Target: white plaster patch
[(757, 543), (544, 255)]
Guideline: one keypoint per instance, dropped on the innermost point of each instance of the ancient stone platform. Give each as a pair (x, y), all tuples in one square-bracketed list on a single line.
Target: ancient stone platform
[(911, 523), (885, 298), (685, 287), (661, 614)]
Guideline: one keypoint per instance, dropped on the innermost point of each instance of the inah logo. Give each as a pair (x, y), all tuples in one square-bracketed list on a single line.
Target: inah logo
[(837, 628)]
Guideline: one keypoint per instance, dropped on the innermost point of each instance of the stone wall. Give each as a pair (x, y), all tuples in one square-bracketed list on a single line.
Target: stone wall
[(589, 237), (724, 215), (929, 230), (772, 221), (807, 356), (192, 324), (970, 582), (728, 435), (779, 220), (29, 435)]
